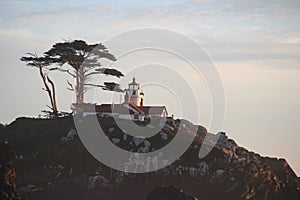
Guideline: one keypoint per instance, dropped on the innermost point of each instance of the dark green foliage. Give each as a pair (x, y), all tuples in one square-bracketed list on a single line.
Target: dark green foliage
[(84, 59), (75, 52), (81, 61), (108, 71)]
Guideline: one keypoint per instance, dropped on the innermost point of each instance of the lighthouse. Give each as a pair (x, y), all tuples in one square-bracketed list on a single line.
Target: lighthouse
[(133, 107), (134, 94)]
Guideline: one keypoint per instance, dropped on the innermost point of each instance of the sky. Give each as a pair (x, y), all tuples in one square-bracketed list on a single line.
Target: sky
[(254, 45)]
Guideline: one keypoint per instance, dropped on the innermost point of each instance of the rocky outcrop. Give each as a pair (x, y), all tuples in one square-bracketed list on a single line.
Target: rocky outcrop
[(52, 163), (7, 173), (168, 193), (1, 126)]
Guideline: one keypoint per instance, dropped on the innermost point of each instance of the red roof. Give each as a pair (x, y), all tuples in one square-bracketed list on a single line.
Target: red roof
[(153, 109), (133, 105), (130, 108)]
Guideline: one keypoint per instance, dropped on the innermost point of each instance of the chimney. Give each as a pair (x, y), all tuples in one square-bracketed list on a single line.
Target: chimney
[(126, 97)]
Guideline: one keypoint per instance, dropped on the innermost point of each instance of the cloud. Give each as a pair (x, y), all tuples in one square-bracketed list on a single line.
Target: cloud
[(231, 30), (295, 40)]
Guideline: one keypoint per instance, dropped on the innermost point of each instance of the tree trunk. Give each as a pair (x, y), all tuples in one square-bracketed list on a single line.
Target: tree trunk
[(80, 78), (55, 109), (47, 89)]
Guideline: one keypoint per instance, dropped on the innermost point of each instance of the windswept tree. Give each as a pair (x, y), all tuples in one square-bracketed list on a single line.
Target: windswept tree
[(43, 65), (82, 61)]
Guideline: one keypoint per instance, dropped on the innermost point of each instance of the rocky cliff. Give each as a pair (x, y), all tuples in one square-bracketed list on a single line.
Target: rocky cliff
[(52, 163)]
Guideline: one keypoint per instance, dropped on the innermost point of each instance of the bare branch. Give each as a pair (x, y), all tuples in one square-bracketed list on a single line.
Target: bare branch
[(72, 87), (68, 71), (50, 107), (94, 85), (93, 73)]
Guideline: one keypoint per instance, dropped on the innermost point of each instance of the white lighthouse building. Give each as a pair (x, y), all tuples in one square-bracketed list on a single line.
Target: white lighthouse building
[(133, 107), (134, 94)]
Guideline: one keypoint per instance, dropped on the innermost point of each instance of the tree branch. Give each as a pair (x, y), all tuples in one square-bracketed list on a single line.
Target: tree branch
[(68, 71), (93, 73), (94, 85), (72, 87), (47, 89)]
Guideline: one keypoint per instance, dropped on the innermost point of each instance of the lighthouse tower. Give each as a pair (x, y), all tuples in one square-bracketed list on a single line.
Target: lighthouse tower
[(134, 94)]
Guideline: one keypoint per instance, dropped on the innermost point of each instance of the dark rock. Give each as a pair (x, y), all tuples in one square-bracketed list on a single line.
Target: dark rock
[(7, 173), (168, 193), (66, 170), (2, 126)]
